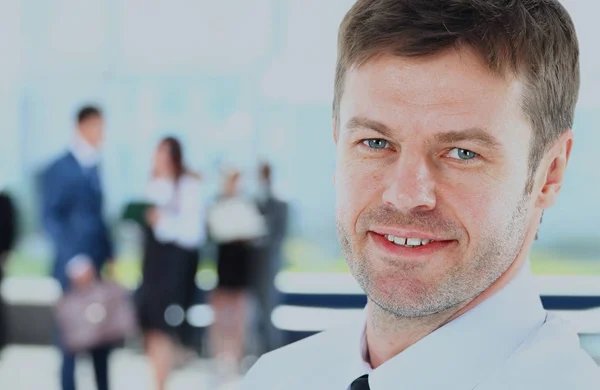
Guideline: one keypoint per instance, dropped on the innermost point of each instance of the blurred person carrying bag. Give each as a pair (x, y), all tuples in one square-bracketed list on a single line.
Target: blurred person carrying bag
[(94, 314)]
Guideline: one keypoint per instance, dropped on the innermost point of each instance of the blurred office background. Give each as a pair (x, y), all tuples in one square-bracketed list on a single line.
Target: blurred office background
[(236, 80), (239, 82)]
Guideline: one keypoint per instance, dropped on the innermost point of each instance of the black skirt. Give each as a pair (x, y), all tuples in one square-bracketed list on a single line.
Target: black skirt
[(234, 265), (168, 285)]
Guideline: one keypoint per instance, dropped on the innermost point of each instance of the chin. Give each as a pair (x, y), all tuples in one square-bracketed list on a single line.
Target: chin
[(408, 293), (397, 289), (403, 306)]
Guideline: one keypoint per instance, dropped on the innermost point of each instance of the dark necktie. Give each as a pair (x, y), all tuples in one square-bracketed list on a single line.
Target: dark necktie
[(361, 383)]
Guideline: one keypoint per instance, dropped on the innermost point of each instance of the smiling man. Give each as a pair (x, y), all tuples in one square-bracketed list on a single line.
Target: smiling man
[(452, 121)]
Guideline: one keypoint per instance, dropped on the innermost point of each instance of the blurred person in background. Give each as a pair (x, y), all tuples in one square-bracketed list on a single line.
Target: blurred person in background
[(171, 253), (269, 258), (72, 208), (235, 224), (8, 236), (452, 121)]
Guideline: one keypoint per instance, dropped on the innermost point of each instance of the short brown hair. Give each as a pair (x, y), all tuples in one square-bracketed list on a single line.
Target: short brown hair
[(534, 40), (88, 112)]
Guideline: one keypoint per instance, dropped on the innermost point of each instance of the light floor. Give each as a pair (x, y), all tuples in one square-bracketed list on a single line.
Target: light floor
[(36, 368)]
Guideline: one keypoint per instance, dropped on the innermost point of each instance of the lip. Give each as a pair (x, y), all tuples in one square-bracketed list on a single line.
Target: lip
[(406, 233), (420, 253)]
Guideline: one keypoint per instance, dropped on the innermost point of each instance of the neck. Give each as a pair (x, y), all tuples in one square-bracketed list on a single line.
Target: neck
[(85, 153), (388, 335), (84, 141)]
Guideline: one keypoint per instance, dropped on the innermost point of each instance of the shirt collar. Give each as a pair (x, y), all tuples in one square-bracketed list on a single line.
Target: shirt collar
[(466, 350), (86, 155)]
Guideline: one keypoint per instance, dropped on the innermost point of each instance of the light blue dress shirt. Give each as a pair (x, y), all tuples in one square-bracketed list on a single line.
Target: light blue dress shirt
[(507, 342)]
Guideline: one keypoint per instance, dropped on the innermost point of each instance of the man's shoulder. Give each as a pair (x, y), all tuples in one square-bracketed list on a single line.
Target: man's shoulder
[(305, 357), (552, 359), (60, 164)]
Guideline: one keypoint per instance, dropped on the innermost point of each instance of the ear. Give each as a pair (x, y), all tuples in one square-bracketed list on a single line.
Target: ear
[(555, 167), (334, 126)]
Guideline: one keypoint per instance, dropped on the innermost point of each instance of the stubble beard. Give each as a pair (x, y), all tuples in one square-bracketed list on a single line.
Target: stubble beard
[(464, 281)]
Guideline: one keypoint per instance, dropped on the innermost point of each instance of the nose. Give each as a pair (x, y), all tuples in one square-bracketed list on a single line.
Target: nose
[(410, 185)]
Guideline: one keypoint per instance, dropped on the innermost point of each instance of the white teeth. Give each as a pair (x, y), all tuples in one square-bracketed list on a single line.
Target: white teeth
[(413, 241), (399, 241), (408, 242)]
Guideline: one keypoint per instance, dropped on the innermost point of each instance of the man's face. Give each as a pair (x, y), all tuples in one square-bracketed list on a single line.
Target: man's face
[(92, 129), (431, 149)]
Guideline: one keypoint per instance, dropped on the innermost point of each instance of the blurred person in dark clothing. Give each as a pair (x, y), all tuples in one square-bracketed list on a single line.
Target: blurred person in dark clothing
[(72, 216), (171, 253), (8, 235), (235, 224), (269, 259)]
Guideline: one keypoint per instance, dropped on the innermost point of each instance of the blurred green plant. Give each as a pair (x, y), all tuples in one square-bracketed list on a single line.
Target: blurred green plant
[(302, 256)]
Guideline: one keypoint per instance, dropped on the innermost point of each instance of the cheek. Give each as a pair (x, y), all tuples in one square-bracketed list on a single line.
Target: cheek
[(164, 161), (358, 186), (483, 208), (96, 133)]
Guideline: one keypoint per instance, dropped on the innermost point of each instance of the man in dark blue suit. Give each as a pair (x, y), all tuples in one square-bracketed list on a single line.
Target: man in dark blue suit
[(72, 216)]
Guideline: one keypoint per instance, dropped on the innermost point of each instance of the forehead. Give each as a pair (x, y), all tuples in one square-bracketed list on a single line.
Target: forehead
[(448, 91), (92, 119)]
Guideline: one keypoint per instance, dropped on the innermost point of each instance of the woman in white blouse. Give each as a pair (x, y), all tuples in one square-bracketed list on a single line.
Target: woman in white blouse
[(234, 223), (171, 254)]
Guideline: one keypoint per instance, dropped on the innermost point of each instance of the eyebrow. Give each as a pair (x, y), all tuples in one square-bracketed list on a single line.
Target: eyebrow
[(357, 123), (474, 134)]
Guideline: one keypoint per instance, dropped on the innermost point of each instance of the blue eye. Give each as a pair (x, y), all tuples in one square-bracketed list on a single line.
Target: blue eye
[(376, 143), (462, 154)]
